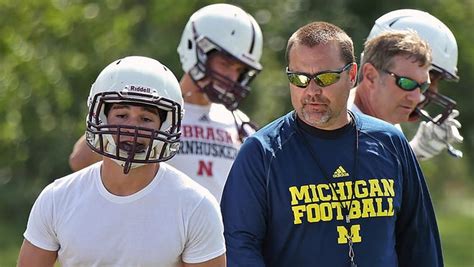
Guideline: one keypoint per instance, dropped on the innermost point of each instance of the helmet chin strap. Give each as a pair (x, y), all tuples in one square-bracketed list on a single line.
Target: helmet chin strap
[(127, 164)]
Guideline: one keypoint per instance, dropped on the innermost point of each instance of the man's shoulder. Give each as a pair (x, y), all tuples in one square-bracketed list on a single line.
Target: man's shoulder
[(81, 176), (284, 122), (220, 114), (219, 108), (275, 133), (374, 125), (75, 183)]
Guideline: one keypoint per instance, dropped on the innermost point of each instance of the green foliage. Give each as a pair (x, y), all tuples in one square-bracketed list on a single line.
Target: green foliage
[(52, 50), (10, 243)]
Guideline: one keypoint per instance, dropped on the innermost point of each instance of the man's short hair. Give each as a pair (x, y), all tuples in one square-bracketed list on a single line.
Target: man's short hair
[(380, 51), (319, 32)]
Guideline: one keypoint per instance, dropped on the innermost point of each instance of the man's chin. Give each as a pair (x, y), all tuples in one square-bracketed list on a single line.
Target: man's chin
[(315, 118), (414, 117)]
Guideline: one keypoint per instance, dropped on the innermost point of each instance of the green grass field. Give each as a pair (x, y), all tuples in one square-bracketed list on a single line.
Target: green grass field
[(456, 225), (455, 219)]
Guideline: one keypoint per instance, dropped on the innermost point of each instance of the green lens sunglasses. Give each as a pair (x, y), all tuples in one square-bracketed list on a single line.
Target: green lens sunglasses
[(322, 78), (408, 84)]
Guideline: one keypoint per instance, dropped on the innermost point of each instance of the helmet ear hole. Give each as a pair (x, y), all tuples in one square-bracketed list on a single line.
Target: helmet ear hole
[(162, 114), (107, 107), (190, 44)]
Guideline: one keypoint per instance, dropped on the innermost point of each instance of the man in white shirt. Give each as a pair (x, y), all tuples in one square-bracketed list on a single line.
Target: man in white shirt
[(132, 208)]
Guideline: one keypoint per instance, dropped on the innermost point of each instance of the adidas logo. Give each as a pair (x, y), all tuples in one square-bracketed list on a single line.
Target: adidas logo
[(204, 118), (340, 172)]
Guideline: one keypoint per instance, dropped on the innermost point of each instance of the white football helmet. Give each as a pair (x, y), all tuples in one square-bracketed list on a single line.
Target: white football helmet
[(432, 30), (142, 81), (227, 29)]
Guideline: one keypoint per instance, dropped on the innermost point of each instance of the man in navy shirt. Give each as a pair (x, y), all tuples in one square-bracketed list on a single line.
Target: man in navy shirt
[(322, 186)]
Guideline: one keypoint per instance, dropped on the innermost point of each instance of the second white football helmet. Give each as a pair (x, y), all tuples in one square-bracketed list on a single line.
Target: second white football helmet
[(227, 29)]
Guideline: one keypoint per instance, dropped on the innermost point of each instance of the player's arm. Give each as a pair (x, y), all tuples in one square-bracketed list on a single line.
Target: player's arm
[(33, 256), (82, 155), (216, 262)]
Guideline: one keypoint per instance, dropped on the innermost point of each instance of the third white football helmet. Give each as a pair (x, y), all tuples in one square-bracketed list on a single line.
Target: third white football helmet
[(444, 51), (432, 30)]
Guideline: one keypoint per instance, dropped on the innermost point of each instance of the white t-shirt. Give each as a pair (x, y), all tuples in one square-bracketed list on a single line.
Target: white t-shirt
[(171, 220), (209, 145)]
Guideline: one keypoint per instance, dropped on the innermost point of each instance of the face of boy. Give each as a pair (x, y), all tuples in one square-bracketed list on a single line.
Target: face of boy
[(133, 116)]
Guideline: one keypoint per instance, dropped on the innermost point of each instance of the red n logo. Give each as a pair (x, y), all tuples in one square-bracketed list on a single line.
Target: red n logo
[(205, 167)]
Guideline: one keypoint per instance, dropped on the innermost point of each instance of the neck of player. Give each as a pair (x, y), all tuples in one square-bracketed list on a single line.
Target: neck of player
[(120, 184)]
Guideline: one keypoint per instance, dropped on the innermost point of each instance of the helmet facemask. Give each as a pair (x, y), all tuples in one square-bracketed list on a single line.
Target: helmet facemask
[(133, 146), (435, 101)]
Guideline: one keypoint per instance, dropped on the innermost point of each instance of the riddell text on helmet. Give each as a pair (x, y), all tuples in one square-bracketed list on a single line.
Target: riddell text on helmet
[(140, 89)]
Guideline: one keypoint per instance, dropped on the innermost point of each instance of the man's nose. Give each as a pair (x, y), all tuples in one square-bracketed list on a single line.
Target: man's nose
[(232, 73), (415, 95), (313, 88), (134, 121)]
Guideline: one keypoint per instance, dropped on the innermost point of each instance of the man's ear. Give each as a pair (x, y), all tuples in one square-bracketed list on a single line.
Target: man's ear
[(370, 74), (353, 74)]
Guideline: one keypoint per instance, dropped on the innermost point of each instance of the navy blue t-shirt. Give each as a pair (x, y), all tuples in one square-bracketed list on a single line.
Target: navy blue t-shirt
[(286, 197)]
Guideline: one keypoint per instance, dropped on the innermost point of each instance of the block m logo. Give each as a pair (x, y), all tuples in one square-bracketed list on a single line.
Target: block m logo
[(354, 234)]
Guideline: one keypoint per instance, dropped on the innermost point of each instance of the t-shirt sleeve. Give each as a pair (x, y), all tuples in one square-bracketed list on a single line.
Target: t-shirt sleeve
[(40, 229), (205, 232)]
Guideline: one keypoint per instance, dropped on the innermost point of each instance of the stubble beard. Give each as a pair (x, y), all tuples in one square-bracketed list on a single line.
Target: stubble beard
[(316, 118)]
